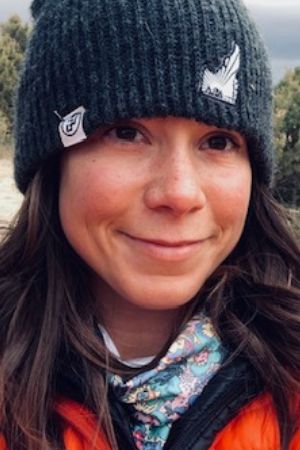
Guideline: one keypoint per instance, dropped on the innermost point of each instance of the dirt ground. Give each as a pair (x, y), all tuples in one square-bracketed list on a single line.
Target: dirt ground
[(10, 198)]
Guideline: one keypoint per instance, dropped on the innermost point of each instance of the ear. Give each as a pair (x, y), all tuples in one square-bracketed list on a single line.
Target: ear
[(36, 7)]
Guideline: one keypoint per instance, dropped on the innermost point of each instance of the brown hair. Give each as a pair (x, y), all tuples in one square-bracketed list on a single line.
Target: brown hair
[(46, 305)]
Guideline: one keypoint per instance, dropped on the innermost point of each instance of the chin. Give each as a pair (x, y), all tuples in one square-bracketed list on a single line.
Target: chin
[(164, 296)]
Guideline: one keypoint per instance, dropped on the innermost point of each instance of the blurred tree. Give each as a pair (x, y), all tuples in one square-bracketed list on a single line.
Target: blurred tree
[(287, 138), (4, 129), (16, 30), (13, 38)]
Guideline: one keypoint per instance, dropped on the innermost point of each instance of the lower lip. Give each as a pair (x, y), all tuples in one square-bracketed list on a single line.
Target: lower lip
[(165, 252)]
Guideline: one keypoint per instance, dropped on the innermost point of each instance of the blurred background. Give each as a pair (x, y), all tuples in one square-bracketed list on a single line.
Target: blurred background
[(278, 22)]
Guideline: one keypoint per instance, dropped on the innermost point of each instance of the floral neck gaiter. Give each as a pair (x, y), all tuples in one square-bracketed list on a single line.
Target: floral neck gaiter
[(158, 397)]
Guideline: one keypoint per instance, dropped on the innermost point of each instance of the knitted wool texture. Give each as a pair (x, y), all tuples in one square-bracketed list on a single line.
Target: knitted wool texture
[(139, 58)]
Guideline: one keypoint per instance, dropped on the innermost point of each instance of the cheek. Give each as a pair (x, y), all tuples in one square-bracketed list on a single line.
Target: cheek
[(91, 194), (230, 198), (234, 207), (99, 196)]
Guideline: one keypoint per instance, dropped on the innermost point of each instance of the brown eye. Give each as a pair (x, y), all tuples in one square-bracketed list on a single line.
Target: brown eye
[(125, 133), (219, 142)]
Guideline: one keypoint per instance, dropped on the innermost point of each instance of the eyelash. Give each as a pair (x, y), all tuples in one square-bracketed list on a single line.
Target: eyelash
[(122, 127), (228, 138)]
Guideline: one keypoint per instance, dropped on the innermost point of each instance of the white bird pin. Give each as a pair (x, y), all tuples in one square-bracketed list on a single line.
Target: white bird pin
[(223, 85)]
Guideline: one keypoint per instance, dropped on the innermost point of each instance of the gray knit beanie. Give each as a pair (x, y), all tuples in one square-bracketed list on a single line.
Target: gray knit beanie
[(92, 62)]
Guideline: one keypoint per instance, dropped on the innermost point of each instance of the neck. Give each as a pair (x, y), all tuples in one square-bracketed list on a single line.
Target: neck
[(136, 332)]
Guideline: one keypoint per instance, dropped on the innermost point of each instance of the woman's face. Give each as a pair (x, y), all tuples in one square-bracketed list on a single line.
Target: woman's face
[(154, 206)]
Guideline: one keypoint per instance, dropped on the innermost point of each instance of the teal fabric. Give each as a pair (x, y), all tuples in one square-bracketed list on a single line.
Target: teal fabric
[(115, 59), (158, 397)]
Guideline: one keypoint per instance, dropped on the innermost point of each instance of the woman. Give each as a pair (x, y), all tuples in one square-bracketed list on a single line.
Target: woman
[(149, 287)]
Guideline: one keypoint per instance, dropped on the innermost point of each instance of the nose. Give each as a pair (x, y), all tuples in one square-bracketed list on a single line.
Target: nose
[(175, 185)]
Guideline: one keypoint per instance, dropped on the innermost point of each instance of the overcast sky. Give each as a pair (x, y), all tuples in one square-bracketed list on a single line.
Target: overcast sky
[(278, 21)]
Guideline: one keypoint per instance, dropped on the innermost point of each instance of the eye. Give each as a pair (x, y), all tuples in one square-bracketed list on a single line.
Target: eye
[(219, 142), (125, 133)]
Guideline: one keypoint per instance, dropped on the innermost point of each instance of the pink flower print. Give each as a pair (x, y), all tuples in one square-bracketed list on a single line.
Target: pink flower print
[(139, 438), (202, 357), (147, 419)]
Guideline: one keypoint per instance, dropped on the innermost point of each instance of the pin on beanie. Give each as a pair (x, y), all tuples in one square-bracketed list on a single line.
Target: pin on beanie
[(93, 62)]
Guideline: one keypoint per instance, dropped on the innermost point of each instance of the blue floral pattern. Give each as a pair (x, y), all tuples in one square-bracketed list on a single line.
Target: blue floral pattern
[(158, 397)]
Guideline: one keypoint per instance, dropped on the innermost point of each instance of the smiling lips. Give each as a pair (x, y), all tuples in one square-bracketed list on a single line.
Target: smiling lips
[(167, 250)]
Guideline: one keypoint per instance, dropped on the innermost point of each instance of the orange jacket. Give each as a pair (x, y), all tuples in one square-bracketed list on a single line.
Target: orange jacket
[(254, 428)]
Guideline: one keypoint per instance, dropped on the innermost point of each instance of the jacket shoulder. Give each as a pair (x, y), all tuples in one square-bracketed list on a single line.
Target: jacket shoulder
[(80, 428), (254, 428)]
